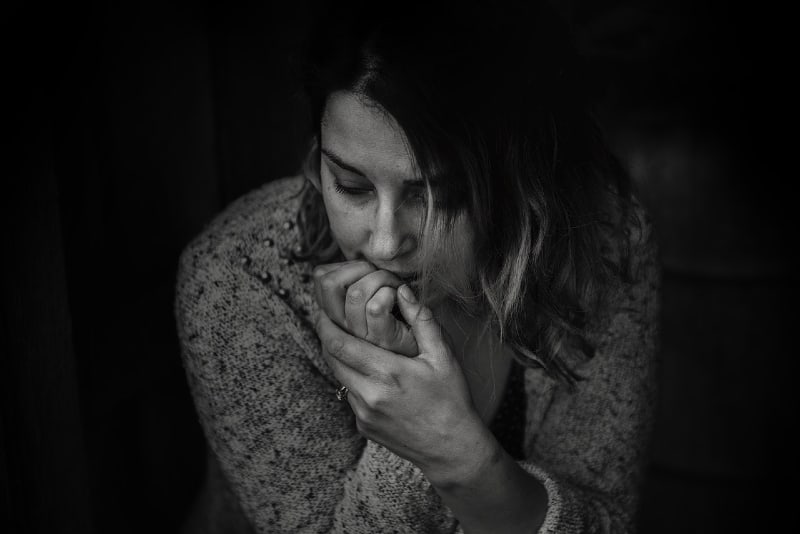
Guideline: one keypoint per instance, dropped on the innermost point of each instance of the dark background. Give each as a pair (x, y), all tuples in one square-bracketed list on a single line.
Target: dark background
[(131, 125)]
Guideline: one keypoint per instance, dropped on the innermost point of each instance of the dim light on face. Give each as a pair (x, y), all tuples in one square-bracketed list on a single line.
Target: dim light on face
[(375, 202)]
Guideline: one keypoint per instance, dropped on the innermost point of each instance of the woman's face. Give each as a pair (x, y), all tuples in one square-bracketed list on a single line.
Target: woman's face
[(374, 201)]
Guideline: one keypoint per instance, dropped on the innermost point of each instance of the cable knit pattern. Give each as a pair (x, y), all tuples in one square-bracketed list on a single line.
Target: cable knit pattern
[(285, 455)]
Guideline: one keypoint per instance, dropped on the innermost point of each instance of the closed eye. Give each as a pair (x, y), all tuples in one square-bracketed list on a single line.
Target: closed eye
[(349, 190)]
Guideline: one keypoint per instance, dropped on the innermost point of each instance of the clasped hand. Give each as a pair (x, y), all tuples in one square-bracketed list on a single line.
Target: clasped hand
[(406, 388)]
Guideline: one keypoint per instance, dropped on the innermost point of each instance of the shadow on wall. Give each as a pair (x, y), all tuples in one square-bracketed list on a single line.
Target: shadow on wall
[(151, 118)]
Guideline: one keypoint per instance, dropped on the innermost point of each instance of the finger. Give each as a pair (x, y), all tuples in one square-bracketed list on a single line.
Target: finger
[(318, 273), (361, 356), (331, 285), (361, 292), (355, 382), (327, 332), (345, 375), (378, 309), (324, 269), (384, 329), (424, 326)]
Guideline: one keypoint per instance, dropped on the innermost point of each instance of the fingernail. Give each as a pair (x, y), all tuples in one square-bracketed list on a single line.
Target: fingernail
[(407, 294)]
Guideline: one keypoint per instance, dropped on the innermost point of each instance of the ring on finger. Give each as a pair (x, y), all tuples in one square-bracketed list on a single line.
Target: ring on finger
[(341, 393)]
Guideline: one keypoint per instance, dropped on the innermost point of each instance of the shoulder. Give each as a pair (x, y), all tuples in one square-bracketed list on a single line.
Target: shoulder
[(640, 273), (261, 220), (623, 318), (628, 235), (641, 235), (629, 250), (245, 253), (624, 329), (266, 209)]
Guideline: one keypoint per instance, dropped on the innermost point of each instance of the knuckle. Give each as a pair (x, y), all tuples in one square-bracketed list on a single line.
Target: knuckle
[(318, 272), (375, 309), (327, 283), (355, 294), (335, 346), (373, 400), (388, 379)]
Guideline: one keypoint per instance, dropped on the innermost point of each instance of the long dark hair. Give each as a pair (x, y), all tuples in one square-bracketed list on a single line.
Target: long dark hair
[(492, 102)]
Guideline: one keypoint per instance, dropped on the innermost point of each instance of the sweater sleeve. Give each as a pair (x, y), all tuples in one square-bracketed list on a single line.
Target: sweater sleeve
[(588, 445), (270, 417), (283, 448), (265, 399)]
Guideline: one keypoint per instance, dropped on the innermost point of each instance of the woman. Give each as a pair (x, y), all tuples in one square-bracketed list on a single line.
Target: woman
[(447, 323)]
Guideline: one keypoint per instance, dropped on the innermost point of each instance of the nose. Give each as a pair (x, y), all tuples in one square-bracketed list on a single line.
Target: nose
[(392, 234)]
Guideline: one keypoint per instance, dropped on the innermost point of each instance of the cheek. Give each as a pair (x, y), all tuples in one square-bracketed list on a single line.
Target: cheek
[(344, 226)]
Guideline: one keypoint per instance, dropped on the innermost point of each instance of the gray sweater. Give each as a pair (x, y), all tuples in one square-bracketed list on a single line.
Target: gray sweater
[(285, 455)]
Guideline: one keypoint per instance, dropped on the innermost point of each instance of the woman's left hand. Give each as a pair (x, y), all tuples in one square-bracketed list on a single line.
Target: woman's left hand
[(420, 407)]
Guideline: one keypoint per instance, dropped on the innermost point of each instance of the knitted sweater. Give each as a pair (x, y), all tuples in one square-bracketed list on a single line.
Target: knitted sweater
[(285, 455)]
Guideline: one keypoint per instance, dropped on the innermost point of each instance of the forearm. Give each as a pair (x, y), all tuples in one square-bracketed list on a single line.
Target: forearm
[(492, 493)]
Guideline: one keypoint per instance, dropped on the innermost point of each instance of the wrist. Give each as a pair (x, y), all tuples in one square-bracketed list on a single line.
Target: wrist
[(476, 451)]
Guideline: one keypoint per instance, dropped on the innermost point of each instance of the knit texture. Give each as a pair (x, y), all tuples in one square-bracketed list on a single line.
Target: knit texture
[(285, 455)]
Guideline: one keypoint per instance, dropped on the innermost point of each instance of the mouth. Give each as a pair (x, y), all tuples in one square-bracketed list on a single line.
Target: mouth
[(410, 278), (407, 277)]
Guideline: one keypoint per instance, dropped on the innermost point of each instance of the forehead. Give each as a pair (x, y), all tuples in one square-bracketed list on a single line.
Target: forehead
[(365, 136)]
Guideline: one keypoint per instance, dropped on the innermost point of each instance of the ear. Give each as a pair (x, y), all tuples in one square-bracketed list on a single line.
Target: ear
[(311, 165)]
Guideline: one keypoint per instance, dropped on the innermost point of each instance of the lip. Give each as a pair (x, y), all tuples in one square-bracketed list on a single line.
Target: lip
[(406, 276)]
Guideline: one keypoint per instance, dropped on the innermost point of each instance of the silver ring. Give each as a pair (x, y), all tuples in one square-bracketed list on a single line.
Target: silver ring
[(341, 393)]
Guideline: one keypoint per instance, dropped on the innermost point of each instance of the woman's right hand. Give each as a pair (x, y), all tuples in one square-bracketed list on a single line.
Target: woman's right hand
[(360, 298)]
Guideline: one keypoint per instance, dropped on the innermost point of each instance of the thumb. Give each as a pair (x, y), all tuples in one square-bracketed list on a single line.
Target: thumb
[(420, 318)]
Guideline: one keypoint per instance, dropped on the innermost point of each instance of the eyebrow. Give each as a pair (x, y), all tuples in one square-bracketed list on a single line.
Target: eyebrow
[(346, 166)]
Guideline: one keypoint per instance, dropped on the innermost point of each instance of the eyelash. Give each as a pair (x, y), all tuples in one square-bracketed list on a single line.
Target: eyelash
[(358, 191), (342, 190)]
